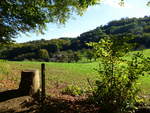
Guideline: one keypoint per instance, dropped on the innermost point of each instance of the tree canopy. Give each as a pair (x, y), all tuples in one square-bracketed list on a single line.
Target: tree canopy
[(21, 16), (32, 15)]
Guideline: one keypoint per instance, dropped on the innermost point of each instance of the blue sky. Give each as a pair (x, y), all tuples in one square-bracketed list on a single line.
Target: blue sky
[(95, 16)]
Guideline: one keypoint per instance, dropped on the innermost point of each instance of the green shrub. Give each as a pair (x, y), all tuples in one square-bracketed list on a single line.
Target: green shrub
[(43, 54), (73, 90), (117, 89)]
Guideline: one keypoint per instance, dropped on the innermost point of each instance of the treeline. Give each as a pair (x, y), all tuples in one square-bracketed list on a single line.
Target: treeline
[(73, 49), (56, 50), (139, 28)]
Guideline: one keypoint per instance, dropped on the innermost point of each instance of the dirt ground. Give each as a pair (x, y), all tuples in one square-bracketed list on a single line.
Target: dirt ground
[(12, 102), (55, 102), (26, 104)]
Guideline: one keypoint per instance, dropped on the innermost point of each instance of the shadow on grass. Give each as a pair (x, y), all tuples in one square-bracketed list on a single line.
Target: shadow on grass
[(10, 94), (57, 105), (54, 105)]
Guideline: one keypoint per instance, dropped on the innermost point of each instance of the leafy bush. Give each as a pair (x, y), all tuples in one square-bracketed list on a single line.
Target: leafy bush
[(76, 56), (117, 89), (89, 54), (73, 90), (43, 54)]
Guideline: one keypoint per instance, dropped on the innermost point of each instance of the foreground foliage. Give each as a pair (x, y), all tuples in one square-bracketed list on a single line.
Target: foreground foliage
[(117, 88), (33, 15)]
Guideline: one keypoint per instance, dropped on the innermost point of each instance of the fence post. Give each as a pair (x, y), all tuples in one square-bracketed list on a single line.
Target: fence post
[(43, 81)]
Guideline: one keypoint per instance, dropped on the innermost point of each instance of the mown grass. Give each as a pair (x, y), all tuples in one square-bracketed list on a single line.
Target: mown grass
[(69, 73)]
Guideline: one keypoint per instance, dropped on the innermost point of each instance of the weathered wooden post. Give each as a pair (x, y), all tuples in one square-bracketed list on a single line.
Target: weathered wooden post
[(30, 82), (43, 81)]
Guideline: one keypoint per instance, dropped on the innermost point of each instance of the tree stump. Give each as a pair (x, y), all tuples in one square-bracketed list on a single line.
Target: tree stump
[(30, 82)]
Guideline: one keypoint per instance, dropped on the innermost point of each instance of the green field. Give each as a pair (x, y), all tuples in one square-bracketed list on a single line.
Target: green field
[(71, 73), (61, 73)]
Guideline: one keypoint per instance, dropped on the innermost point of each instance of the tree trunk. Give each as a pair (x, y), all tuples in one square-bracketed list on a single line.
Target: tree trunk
[(30, 82)]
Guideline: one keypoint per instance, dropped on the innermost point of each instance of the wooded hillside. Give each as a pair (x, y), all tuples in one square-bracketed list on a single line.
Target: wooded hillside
[(72, 49)]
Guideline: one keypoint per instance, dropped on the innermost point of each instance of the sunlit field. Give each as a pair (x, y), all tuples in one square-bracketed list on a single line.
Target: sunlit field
[(60, 73)]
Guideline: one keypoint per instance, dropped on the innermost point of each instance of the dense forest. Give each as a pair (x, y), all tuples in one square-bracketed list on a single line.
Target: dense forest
[(73, 49)]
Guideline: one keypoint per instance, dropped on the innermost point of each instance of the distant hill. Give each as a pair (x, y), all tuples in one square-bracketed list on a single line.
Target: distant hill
[(135, 27)]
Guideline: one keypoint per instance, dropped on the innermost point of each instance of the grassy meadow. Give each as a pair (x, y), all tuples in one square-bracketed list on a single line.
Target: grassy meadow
[(71, 73), (60, 73)]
